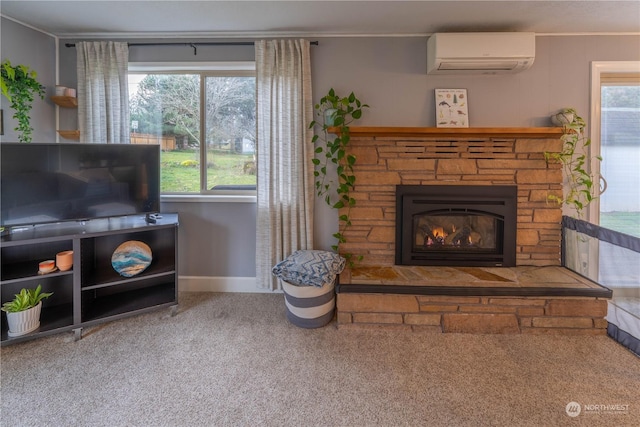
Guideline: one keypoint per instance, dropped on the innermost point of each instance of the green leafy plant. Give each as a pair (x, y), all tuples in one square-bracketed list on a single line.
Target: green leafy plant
[(26, 299), (20, 87), (335, 114), (575, 158)]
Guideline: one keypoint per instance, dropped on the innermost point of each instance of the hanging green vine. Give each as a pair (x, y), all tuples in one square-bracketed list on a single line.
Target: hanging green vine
[(20, 87), (581, 188), (337, 112)]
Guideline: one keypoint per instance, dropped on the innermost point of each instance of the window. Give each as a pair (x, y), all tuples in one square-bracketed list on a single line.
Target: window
[(616, 119), (204, 118), (620, 148)]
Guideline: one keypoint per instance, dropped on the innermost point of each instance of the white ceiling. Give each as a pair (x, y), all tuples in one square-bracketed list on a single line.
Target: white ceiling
[(149, 18)]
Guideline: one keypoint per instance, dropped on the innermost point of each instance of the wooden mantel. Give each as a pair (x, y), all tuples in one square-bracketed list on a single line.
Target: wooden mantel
[(483, 132)]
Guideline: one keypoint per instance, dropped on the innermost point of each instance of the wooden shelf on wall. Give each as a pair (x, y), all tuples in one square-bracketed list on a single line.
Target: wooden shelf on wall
[(65, 101), (69, 134), (515, 132)]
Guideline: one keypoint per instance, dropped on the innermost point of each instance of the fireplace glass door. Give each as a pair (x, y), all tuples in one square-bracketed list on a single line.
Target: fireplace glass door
[(451, 231), (456, 225)]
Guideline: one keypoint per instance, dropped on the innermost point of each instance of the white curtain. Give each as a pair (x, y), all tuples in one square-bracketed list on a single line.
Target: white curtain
[(285, 150), (103, 96)]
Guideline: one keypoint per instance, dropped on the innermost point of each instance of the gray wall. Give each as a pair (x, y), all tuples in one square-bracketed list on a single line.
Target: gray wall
[(218, 239), (389, 75), (215, 239), (24, 46)]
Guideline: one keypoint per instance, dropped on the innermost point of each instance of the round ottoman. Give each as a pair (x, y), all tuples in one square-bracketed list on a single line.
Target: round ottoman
[(309, 306)]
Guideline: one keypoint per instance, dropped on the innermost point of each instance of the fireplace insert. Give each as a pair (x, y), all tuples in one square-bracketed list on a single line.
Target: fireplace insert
[(456, 225)]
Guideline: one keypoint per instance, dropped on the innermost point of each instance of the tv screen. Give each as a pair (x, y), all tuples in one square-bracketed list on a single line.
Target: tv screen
[(44, 183)]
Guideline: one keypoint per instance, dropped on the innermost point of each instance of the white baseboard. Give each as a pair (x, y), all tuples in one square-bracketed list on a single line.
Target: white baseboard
[(221, 284)]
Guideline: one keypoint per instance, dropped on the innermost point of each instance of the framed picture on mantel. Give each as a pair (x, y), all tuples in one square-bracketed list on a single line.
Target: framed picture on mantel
[(452, 108)]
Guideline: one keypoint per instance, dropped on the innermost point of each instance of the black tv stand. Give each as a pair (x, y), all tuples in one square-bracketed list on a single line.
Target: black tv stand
[(92, 292)]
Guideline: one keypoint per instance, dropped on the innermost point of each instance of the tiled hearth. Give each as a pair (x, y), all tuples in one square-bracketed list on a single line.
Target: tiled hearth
[(523, 299), (536, 296)]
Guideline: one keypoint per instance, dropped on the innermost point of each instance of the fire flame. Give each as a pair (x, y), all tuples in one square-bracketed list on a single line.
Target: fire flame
[(440, 236)]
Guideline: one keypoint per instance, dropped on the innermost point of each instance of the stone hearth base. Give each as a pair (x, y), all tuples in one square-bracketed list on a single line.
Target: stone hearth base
[(525, 299)]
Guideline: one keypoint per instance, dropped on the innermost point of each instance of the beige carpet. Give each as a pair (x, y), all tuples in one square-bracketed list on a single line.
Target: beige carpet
[(234, 360)]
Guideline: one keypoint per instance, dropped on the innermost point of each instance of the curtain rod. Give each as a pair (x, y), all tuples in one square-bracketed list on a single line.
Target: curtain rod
[(193, 45)]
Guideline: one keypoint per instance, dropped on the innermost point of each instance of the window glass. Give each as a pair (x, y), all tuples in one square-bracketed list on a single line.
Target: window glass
[(176, 109), (620, 149), (230, 132)]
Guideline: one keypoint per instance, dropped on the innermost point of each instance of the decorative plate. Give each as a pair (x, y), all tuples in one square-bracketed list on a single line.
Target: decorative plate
[(131, 258)]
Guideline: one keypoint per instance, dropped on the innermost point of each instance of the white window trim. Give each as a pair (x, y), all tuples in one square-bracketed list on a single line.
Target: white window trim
[(208, 198)]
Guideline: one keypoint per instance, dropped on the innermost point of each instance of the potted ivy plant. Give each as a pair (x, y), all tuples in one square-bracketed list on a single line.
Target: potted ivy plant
[(23, 312), (334, 115), (20, 87), (580, 187)]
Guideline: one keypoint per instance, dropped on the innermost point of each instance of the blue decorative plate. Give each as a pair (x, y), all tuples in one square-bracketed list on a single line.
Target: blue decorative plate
[(131, 258)]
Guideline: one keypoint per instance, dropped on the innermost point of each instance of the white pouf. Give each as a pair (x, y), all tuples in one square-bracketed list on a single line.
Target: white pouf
[(309, 306)]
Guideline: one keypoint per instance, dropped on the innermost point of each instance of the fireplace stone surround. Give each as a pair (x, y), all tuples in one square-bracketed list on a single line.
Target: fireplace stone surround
[(537, 295)]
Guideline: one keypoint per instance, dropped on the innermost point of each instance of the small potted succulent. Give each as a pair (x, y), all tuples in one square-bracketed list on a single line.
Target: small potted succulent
[(23, 312)]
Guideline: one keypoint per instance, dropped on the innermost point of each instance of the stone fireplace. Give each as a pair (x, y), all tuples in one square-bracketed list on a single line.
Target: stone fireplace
[(388, 157), (476, 258), (456, 225)]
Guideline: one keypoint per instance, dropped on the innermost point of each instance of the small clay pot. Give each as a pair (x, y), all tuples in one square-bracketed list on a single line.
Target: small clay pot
[(46, 266), (64, 260)]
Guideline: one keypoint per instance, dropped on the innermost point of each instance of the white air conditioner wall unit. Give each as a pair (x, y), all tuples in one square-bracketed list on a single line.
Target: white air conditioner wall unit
[(480, 53)]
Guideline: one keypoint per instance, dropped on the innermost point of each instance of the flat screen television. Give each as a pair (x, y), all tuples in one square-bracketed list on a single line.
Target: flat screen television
[(48, 183)]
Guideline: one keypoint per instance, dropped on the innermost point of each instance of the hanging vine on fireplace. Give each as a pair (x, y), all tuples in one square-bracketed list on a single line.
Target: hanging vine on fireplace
[(581, 187), (335, 113)]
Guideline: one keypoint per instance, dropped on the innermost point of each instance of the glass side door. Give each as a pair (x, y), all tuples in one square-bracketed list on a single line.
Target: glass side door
[(620, 151)]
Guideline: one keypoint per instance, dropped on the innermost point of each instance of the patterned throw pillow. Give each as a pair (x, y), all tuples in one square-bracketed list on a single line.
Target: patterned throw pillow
[(309, 268)]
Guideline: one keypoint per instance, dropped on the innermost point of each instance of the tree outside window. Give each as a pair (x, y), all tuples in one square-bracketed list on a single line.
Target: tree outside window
[(167, 109)]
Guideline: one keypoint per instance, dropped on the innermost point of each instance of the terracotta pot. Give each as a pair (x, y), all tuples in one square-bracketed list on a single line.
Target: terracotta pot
[(64, 260)]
